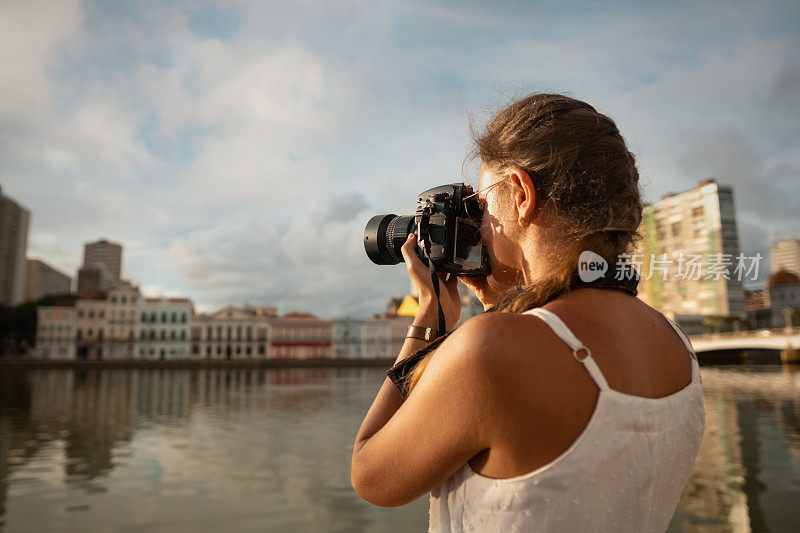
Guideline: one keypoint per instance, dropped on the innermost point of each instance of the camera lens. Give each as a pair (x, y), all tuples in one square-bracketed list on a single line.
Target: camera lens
[(385, 235)]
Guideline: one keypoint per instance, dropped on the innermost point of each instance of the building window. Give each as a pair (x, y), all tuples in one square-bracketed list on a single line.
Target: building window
[(153, 317), (113, 299), (174, 317), (164, 317), (123, 299), (183, 318), (183, 334)]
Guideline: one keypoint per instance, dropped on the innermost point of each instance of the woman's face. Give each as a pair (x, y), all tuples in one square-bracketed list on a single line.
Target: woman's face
[(500, 230)]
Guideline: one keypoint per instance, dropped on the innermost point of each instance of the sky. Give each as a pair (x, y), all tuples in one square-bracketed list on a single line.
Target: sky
[(237, 148)]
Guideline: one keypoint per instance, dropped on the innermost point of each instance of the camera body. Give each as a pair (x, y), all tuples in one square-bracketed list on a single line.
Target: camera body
[(447, 225)]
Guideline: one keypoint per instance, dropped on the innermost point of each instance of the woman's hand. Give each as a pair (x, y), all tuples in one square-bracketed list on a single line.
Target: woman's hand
[(488, 290), (448, 290)]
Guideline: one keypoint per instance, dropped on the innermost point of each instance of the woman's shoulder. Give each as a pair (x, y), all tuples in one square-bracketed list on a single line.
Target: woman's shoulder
[(503, 341)]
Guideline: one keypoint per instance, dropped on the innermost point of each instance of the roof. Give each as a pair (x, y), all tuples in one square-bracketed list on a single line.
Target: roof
[(782, 277), (295, 314), (94, 295), (63, 302)]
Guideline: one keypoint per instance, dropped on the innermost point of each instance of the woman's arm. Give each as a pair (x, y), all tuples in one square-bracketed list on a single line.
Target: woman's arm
[(405, 449)]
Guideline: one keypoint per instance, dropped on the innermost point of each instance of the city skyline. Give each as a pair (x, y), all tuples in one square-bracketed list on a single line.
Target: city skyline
[(238, 153)]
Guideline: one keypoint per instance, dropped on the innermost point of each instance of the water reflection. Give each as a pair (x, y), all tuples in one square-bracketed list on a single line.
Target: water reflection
[(747, 474), (269, 449)]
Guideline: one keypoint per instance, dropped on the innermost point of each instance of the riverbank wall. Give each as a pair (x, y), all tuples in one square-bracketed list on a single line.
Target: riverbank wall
[(194, 363)]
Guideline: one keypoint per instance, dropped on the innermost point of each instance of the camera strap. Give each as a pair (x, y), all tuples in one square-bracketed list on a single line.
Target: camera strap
[(435, 280)]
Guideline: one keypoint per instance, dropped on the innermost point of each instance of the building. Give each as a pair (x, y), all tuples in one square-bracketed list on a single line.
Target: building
[(783, 297), (55, 331), (43, 280), (347, 338), (376, 335), (104, 254), (398, 329), (102, 266), (163, 328), (689, 256), (301, 336), (90, 325), (785, 255), (232, 333), (122, 309), (14, 222), (755, 299), (93, 279)]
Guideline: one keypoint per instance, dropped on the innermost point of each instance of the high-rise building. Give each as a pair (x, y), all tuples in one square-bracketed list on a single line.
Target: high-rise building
[(785, 255), (43, 280), (102, 266), (691, 260), (14, 221), (104, 254)]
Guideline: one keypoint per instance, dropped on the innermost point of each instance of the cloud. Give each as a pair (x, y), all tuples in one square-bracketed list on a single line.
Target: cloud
[(314, 263), (343, 207)]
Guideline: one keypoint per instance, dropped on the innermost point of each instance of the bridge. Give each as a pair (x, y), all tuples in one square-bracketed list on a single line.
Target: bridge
[(786, 340)]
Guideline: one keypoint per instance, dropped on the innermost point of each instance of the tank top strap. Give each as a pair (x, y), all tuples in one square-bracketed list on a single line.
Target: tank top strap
[(689, 347), (579, 350)]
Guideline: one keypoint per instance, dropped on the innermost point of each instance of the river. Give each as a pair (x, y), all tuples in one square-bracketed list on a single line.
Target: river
[(269, 450)]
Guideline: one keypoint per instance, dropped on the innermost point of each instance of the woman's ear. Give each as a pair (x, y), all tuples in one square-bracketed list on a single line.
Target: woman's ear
[(524, 193)]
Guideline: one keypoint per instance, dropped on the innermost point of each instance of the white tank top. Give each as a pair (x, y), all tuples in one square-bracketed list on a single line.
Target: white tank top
[(625, 472)]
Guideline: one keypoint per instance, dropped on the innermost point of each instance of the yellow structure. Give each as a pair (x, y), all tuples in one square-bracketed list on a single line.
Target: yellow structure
[(409, 307)]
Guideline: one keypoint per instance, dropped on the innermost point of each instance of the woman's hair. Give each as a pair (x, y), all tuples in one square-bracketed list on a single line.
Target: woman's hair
[(584, 176)]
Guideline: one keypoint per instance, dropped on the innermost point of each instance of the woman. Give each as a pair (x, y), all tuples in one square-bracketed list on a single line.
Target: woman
[(572, 406)]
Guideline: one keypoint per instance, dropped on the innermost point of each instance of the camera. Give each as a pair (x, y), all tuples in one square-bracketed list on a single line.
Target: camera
[(447, 225)]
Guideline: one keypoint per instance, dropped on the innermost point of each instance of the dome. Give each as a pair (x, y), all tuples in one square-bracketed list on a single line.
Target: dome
[(782, 277)]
